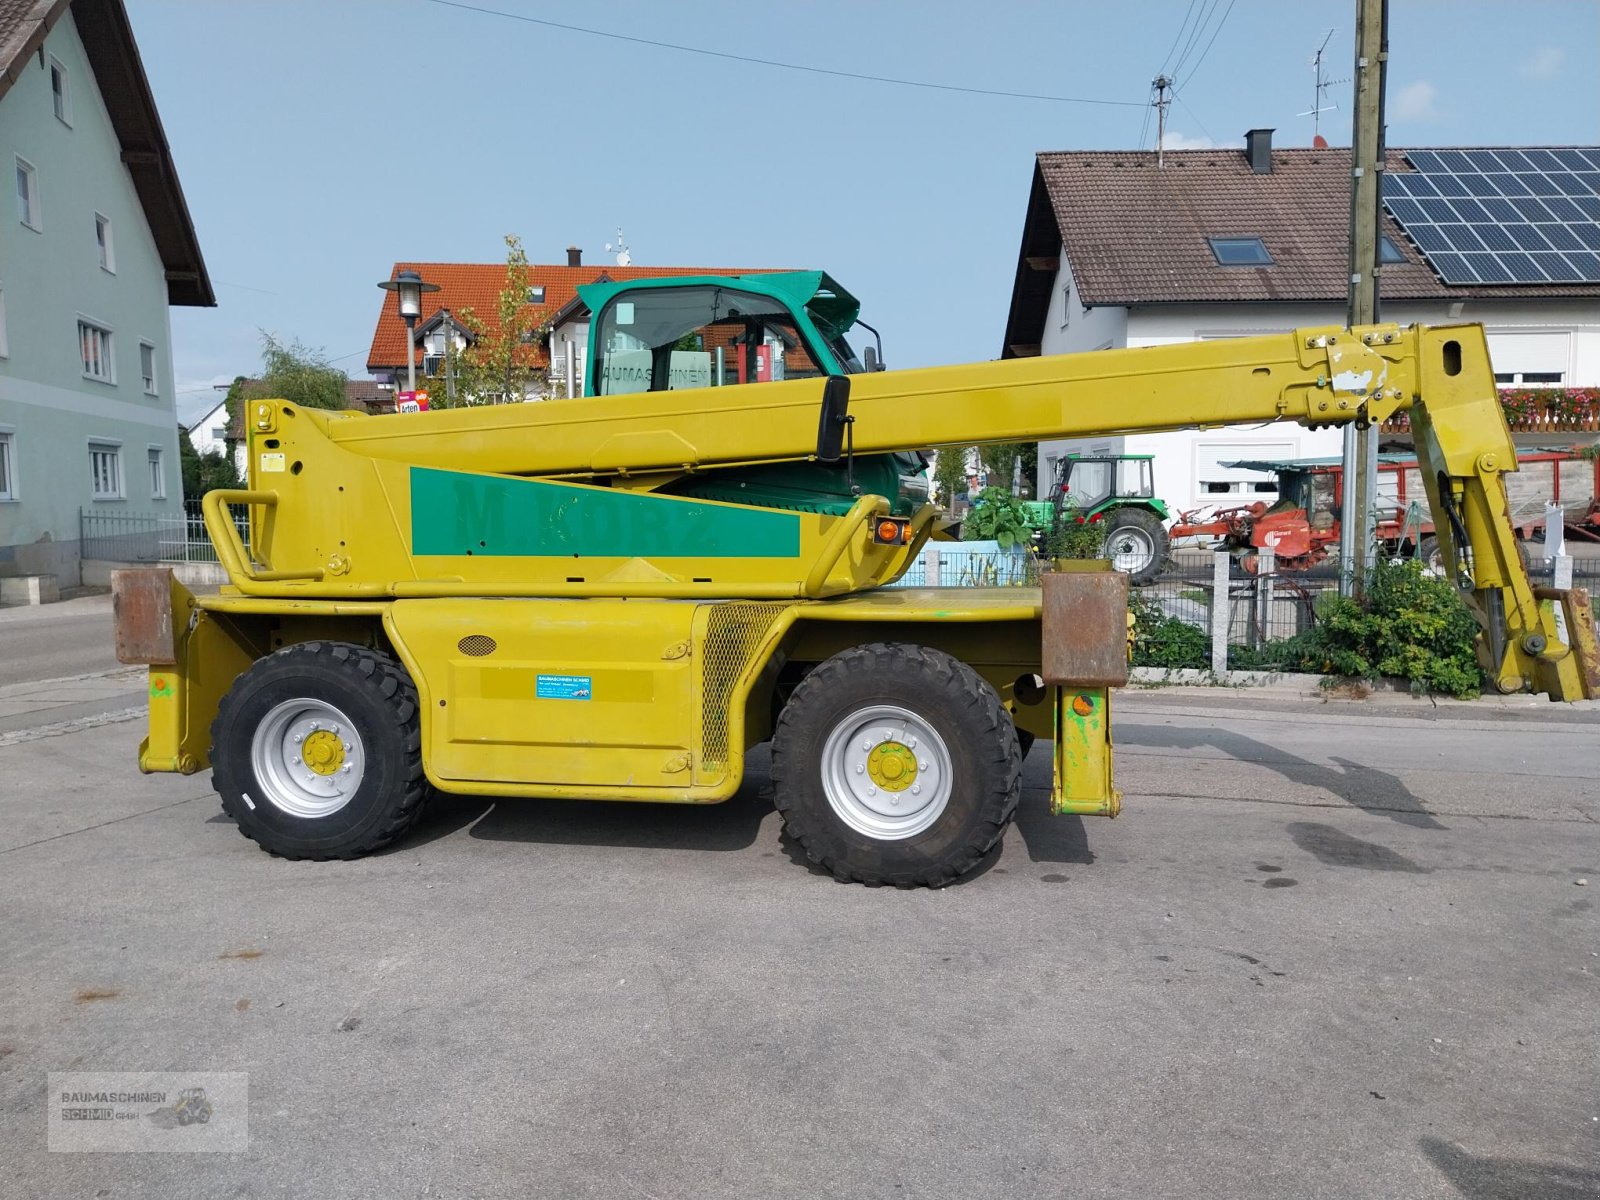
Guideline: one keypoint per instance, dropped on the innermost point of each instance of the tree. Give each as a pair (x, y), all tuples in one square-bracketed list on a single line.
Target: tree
[(203, 472), (950, 474), (300, 375), (1000, 460), (497, 362), (290, 371)]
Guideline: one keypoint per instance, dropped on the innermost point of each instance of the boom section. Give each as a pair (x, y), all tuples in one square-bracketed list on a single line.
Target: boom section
[(1314, 376)]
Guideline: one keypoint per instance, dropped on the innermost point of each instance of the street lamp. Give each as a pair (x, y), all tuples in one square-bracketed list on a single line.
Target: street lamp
[(410, 287)]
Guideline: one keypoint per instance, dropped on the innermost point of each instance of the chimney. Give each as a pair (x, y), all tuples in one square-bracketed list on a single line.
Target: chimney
[(574, 257), (1258, 149)]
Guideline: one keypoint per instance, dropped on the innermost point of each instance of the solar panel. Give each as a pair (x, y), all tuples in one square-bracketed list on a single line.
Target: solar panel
[(1502, 216)]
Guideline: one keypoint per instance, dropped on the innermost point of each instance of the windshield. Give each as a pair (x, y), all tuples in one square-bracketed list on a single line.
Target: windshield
[(664, 339), (849, 360)]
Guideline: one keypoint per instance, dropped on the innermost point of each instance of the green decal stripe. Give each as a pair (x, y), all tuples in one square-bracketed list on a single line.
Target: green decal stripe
[(454, 513)]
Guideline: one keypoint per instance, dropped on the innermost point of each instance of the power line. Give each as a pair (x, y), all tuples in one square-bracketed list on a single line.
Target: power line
[(787, 66), (1195, 115), (1181, 27), (1214, 33), (1194, 35)]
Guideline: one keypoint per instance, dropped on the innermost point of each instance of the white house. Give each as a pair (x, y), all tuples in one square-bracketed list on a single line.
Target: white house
[(1119, 252)]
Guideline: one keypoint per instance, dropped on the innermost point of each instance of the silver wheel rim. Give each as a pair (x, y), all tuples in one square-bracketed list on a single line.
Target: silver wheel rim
[(304, 780), (1131, 549), (854, 758)]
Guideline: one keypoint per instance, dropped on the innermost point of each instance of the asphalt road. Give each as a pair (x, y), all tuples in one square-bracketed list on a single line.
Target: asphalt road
[(54, 640), (1328, 950)]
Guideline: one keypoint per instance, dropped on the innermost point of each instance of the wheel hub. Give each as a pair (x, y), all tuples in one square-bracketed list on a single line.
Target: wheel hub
[(323, 752), (892, 765)]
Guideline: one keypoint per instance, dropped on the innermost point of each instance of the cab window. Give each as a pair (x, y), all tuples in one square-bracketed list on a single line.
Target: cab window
[(667, 339)]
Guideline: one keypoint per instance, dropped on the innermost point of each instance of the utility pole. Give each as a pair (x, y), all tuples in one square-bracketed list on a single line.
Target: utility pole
[(1356, 526), (449, 359), (1162, 85)]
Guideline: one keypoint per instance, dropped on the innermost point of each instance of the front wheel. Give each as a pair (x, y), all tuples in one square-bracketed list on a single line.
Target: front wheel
[(896, 764), (317, 751), (1136, 543)]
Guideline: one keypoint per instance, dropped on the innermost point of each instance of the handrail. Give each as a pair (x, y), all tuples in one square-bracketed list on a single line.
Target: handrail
[(230, 546)]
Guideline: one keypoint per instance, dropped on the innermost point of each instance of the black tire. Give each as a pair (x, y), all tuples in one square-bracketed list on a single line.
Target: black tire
[(203, 1116), (380, 701), (1137, 532), (974, 729)]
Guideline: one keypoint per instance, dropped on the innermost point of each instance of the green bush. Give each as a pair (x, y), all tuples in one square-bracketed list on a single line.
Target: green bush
[(1413, 626), (1075, 537), (1163, 641), (997, 516)]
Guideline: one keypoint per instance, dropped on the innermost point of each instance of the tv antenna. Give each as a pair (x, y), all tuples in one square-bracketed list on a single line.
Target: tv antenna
[(1317, 106), (624, 258)]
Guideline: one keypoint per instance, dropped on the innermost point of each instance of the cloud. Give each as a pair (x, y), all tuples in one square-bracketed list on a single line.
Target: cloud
[(1174, 140), (1545, 63), (1415, 102)]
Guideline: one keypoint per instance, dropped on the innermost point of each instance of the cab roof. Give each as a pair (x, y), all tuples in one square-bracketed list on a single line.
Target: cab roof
[(796, 290)]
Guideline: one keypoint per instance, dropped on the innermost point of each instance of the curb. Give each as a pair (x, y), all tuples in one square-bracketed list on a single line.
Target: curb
[(1311, 687)]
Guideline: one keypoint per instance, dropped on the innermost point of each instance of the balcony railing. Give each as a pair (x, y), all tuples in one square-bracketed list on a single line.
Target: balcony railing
[(1537, 410)]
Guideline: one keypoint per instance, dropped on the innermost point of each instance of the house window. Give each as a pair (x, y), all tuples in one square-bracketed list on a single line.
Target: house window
[(158, 477), (1240, 252), (105, 470), (102, 241), (1216, 476), (28, 195), (219, 433), (8, 468), (536, 294), (1388, 252), (1530, 377), (147, 367), (94, 346), (60, 92)]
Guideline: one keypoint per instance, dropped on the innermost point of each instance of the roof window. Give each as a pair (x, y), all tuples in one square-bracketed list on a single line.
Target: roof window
[(1388, 252), (1240, 252)]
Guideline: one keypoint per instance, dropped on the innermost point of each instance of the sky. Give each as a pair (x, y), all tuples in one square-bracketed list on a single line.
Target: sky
[(320, 142)]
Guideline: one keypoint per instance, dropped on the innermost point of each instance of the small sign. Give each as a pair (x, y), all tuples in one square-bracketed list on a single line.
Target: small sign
[(564, 687), (410, 402), (272, 463)]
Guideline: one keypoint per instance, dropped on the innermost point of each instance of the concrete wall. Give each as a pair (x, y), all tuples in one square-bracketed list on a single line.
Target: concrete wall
[(51, 278), (1528, 335)]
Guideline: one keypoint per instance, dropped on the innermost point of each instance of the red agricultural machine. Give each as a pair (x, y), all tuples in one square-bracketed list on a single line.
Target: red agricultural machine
[(1302, 527)]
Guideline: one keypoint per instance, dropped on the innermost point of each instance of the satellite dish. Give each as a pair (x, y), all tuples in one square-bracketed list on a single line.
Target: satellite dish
[(624, 258)]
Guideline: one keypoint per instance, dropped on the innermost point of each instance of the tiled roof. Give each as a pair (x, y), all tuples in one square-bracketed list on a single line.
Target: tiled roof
[(478, 285), (1136, 234)]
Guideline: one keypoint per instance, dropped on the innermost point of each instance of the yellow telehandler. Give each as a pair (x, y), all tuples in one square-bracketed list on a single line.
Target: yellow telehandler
[(614, 596)]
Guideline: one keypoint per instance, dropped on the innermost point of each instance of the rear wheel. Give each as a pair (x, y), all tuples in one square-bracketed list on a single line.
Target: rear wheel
[(317, 751), (896, 764), (1136, 543)]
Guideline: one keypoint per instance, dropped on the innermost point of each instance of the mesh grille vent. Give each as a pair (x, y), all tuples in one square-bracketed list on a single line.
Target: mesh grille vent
[(733, 634), (476, 645)]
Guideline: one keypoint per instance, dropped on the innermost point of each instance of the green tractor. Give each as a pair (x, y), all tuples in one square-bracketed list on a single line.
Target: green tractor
[(1118, 491)]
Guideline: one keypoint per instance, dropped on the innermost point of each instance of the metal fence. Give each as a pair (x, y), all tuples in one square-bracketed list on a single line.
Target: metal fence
[(169, 537)]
